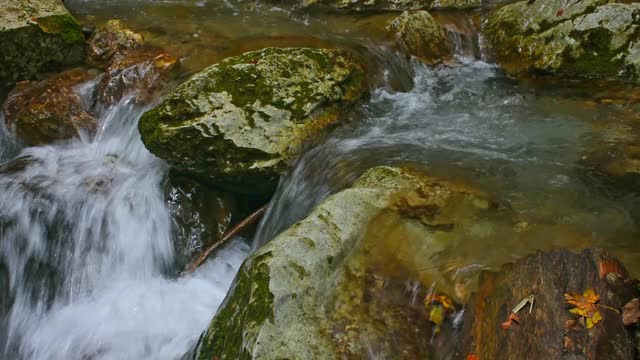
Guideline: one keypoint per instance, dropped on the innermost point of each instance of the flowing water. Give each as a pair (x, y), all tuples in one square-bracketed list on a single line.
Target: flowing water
[(86, 240), (87, 237)]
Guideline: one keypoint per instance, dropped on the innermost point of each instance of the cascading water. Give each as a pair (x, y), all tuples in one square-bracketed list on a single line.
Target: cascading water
[(86, 246), (468, 121), (86, 240)]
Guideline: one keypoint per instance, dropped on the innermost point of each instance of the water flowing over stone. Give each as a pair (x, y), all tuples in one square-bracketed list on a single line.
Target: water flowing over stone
[(87, 253), (43, 112), (280, 306), (390, 5)]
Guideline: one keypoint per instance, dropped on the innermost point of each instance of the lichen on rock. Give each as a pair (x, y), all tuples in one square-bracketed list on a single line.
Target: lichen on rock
[(37, 36), (579, 38), (240, 121), (420, 35)]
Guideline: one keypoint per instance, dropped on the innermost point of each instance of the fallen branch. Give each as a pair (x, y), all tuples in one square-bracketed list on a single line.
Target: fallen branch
[(255, 216)]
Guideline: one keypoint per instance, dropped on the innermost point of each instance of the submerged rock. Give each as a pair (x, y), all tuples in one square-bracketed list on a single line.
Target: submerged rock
[(138, 71), (240, 121), (550, 331), (615, 152), (41, 112), (111, 39), (420, 35), (578, 38), (37, 36), (299, 296), (390, 5)]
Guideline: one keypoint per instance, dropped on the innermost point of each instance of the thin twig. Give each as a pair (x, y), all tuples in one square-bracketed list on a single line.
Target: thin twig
[(255, 216), (608, 307)]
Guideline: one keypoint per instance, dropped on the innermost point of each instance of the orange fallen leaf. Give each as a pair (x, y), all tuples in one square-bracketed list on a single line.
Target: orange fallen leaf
[(472, 357), (443, 300), (512, 318), (585, 305), (436, 316)]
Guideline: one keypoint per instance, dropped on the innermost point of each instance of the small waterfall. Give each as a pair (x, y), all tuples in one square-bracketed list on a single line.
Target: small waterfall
[(86, 249)]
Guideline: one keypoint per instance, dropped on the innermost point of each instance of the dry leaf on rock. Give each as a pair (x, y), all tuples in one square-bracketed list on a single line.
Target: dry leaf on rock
[(586, 306)]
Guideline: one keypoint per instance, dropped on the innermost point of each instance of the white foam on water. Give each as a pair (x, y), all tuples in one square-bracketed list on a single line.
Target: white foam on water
[(87, 240)]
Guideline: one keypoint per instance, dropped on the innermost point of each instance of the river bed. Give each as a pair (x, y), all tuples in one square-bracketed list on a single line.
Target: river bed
[(115, 294)]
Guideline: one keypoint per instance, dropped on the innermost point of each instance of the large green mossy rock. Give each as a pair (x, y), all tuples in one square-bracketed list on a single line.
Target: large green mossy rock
[(575, 38), (241, 121), (36, 36), (295, 298)]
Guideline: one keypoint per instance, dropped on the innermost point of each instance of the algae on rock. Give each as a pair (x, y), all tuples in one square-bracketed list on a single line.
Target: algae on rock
[(578, 38), (37, 36), (419, 34), (240, 121), (289, 296)]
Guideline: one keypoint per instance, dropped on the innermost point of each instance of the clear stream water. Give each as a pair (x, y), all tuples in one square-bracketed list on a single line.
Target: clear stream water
[(87, 234)]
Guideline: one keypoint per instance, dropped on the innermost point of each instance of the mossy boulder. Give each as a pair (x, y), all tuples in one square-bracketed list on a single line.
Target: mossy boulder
[(240, 122), (420, 35), (297, 297), (36, 36), (42, 112), (576, 38)]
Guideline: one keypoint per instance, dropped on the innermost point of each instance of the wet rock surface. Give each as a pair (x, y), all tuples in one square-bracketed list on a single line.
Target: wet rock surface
[(550, 331), (579, 38), (201, 215), (389, 5), (112, 39), (615, 151), (240, 121), (42, 112), (304, 295), (420, 35), (131, 66), (36, 36), (138, 71)]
